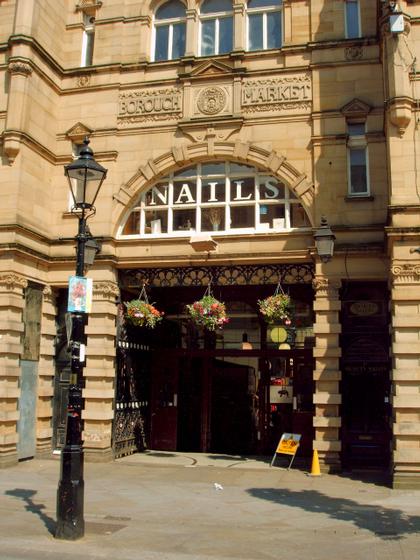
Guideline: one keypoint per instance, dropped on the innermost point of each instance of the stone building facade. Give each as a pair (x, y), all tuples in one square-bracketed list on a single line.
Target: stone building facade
[(268, 115)]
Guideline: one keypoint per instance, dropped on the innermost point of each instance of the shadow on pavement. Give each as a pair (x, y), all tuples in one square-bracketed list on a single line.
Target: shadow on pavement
[(26, 496), (390, 524)]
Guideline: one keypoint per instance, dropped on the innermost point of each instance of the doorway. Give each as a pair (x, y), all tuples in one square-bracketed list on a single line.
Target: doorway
[(365, 386)]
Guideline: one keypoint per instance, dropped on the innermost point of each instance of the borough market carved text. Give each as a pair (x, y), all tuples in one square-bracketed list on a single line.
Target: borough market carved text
[(284, 93), (150, 104)]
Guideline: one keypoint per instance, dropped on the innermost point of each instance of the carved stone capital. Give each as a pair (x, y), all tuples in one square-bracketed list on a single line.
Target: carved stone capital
[(20, 67), (88, 6), (48, 294), (326, 287), (105, 290), (407, 273), (11, 280)]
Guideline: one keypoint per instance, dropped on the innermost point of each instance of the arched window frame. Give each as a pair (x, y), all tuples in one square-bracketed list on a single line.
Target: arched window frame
[(217, 17), (264, 11), (171, 24), (159, 213)]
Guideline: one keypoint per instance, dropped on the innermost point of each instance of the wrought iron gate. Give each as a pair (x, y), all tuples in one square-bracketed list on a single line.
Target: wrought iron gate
[(131, 417)]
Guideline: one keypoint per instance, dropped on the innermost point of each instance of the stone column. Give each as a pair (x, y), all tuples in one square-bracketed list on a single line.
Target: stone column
[(405, 302), (12, 288), (99, 373), (327, 375), (46, 372)]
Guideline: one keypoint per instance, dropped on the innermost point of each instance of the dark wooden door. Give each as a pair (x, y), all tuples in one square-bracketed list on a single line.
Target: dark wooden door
[(164, 402)]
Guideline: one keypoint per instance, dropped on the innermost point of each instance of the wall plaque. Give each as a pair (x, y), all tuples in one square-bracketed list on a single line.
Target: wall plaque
[(150, 104), (278, 94)]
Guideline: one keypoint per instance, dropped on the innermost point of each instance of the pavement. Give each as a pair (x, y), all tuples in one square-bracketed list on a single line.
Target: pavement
[(174, 506)]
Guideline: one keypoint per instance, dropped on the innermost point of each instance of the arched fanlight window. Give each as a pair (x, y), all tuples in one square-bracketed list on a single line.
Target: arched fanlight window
[(264, 24), (216, 27), (169, 31), (217, 197)]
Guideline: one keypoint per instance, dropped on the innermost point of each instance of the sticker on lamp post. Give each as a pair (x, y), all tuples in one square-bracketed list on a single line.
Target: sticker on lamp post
[(80, 294)]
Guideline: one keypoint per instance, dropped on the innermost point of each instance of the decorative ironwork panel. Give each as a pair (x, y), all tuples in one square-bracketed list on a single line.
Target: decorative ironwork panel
[(302, 273), (132, 407)]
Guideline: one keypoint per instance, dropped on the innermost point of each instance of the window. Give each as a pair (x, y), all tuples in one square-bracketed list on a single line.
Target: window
[(88, 40), (169, 31), (216, 27), (358, 178), (215, 197), (352, 19), (264, 24)]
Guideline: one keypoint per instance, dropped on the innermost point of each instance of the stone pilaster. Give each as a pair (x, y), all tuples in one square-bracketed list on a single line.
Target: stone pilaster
[(46, 372), (99, 373), (405, 309), (11, 328), (191, 34), (238, 26), (327, 375), (145, 30)]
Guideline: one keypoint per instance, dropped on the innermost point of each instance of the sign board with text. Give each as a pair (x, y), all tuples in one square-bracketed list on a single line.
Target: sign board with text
[(288, 445)]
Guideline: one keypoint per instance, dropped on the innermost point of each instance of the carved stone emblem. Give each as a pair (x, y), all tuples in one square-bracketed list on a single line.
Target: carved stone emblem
[(353, 53), (211, 100), (83, 81)]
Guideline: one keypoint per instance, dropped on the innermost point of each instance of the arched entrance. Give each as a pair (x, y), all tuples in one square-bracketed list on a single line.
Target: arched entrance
[(181, 389)]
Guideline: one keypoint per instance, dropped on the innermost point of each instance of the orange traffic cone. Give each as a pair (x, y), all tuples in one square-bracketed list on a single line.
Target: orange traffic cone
[(315, 470)]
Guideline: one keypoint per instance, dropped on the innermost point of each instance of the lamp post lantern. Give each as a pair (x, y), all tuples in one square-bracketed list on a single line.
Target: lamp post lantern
[(85, 178), (324, 241)]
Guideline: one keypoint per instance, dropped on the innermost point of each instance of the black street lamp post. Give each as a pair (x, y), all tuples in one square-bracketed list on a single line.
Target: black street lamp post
[(85, 178)]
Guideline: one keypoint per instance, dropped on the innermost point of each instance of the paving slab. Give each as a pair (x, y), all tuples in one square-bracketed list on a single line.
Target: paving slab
[(203, 507)]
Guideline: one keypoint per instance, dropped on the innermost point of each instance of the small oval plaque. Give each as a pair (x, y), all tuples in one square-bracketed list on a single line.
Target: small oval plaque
[(364, 308)]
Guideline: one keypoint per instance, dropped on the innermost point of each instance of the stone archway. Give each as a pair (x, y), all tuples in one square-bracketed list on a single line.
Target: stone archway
[(242, 152)]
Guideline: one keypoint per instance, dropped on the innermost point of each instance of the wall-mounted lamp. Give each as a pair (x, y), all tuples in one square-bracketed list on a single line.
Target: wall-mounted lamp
[(324, 241)]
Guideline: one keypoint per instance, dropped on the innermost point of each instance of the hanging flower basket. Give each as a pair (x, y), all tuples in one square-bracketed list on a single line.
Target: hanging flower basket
[(277, 308), (141, 313), (208, 312)]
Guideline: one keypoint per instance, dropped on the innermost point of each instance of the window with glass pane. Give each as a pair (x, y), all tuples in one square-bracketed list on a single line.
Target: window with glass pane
[(156, 222), (264, 24), (184, 220), (170, 31), (242, 217), (132, 225), (213, 219), (217, 197), (273, 215), (352, 18), (358, 173), (216, 27)]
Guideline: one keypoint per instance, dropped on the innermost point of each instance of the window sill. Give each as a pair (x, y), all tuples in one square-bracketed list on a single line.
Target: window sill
[(359, 198)]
